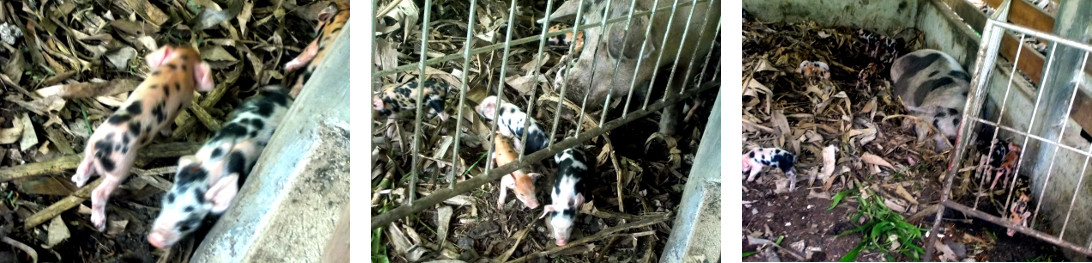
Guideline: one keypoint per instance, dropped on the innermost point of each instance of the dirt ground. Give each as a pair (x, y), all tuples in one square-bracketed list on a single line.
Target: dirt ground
[(73, 45), (854, 112)]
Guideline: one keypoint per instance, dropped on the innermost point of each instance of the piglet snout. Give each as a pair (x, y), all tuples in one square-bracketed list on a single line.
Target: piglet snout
[(159, 238), (561, 242)]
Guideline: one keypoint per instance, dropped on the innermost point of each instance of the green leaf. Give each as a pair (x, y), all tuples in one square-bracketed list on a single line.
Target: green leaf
[(852, 255), (749, 253), (837, 199), (779, 240)]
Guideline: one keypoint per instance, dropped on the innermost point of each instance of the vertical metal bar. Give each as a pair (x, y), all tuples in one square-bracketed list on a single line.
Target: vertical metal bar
[(462, 94), (656, 69), (1004, 102), (614, 75), (565, 84), (420, 110), (500, 84), (701, 75), (1076, 191), (1072, 23), (678, 54), (1034, 113), (584, 104), (534, 77), (701, 40), (641, 56), (987, 54)]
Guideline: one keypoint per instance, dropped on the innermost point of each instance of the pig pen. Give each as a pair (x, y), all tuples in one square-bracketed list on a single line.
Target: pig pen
[(816, 31), (636, 177), (42, 212)]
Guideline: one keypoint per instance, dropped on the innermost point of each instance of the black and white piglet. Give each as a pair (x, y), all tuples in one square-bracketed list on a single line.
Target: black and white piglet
[(934, 87), (756, 159), (208, 181), (567, 194), (511, 120)]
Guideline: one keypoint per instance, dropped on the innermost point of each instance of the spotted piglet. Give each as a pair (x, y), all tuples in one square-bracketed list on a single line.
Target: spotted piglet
[(396, 99), (176, 72), (567, 195), (511, 121), (756, 159), (523, 184), (208, 181)]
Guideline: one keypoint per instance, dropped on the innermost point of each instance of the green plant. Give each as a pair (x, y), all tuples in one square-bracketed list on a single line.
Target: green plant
[(379, 251), (885, 230), (749, 253)]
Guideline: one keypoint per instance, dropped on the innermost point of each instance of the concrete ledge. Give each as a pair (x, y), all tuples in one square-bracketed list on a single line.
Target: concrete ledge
[(695, 236), (288, 207)]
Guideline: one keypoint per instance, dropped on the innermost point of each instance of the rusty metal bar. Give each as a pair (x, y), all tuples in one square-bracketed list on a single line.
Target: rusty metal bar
[(420, 97), (987, 56), (520, 41), (1019, 228), (565, 84), (462, 94)]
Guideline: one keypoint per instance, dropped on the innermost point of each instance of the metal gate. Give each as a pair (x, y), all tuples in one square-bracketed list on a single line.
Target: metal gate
[(1048, 144), (637, 111)]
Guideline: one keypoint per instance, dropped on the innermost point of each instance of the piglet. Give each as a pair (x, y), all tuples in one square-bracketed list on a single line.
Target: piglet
[(520, 183), (176, 72), (756, 159), (511, 121), (401, 98), (567, 195), (208, 181)]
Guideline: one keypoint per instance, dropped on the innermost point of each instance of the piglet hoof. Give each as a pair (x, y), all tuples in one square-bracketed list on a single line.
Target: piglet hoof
[(79, 180), (98, 219)]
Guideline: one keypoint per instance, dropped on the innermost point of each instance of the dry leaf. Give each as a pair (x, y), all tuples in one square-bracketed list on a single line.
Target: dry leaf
[(11, 135), (216, 53), (764, 65), (30, 138), (778, 120), (905, 194), (58, 232), (828, 162), (876, 160)]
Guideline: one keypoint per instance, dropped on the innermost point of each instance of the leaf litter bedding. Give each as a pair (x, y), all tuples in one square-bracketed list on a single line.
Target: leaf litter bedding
[(647, 177), (66, 65), (848, 133)]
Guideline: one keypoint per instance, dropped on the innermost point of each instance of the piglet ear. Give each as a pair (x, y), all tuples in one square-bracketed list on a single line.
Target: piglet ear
[(546, 210), (327, 12), (221, 193), (185, 161), (157, 57), (203, 77), (579, 201)]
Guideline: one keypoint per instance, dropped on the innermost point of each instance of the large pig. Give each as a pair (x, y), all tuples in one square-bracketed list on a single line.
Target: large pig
[(176, 72), (567, 195), (208, 181), (594, 71), (934, 87)]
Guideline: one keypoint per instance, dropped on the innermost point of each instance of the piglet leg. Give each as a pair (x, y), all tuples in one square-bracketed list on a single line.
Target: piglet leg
[(99, 197), (84, 171), (507, 182), (306, 56), (756, 168)]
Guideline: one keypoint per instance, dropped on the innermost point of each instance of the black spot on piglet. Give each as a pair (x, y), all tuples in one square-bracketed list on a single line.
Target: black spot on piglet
[(237, 164)]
